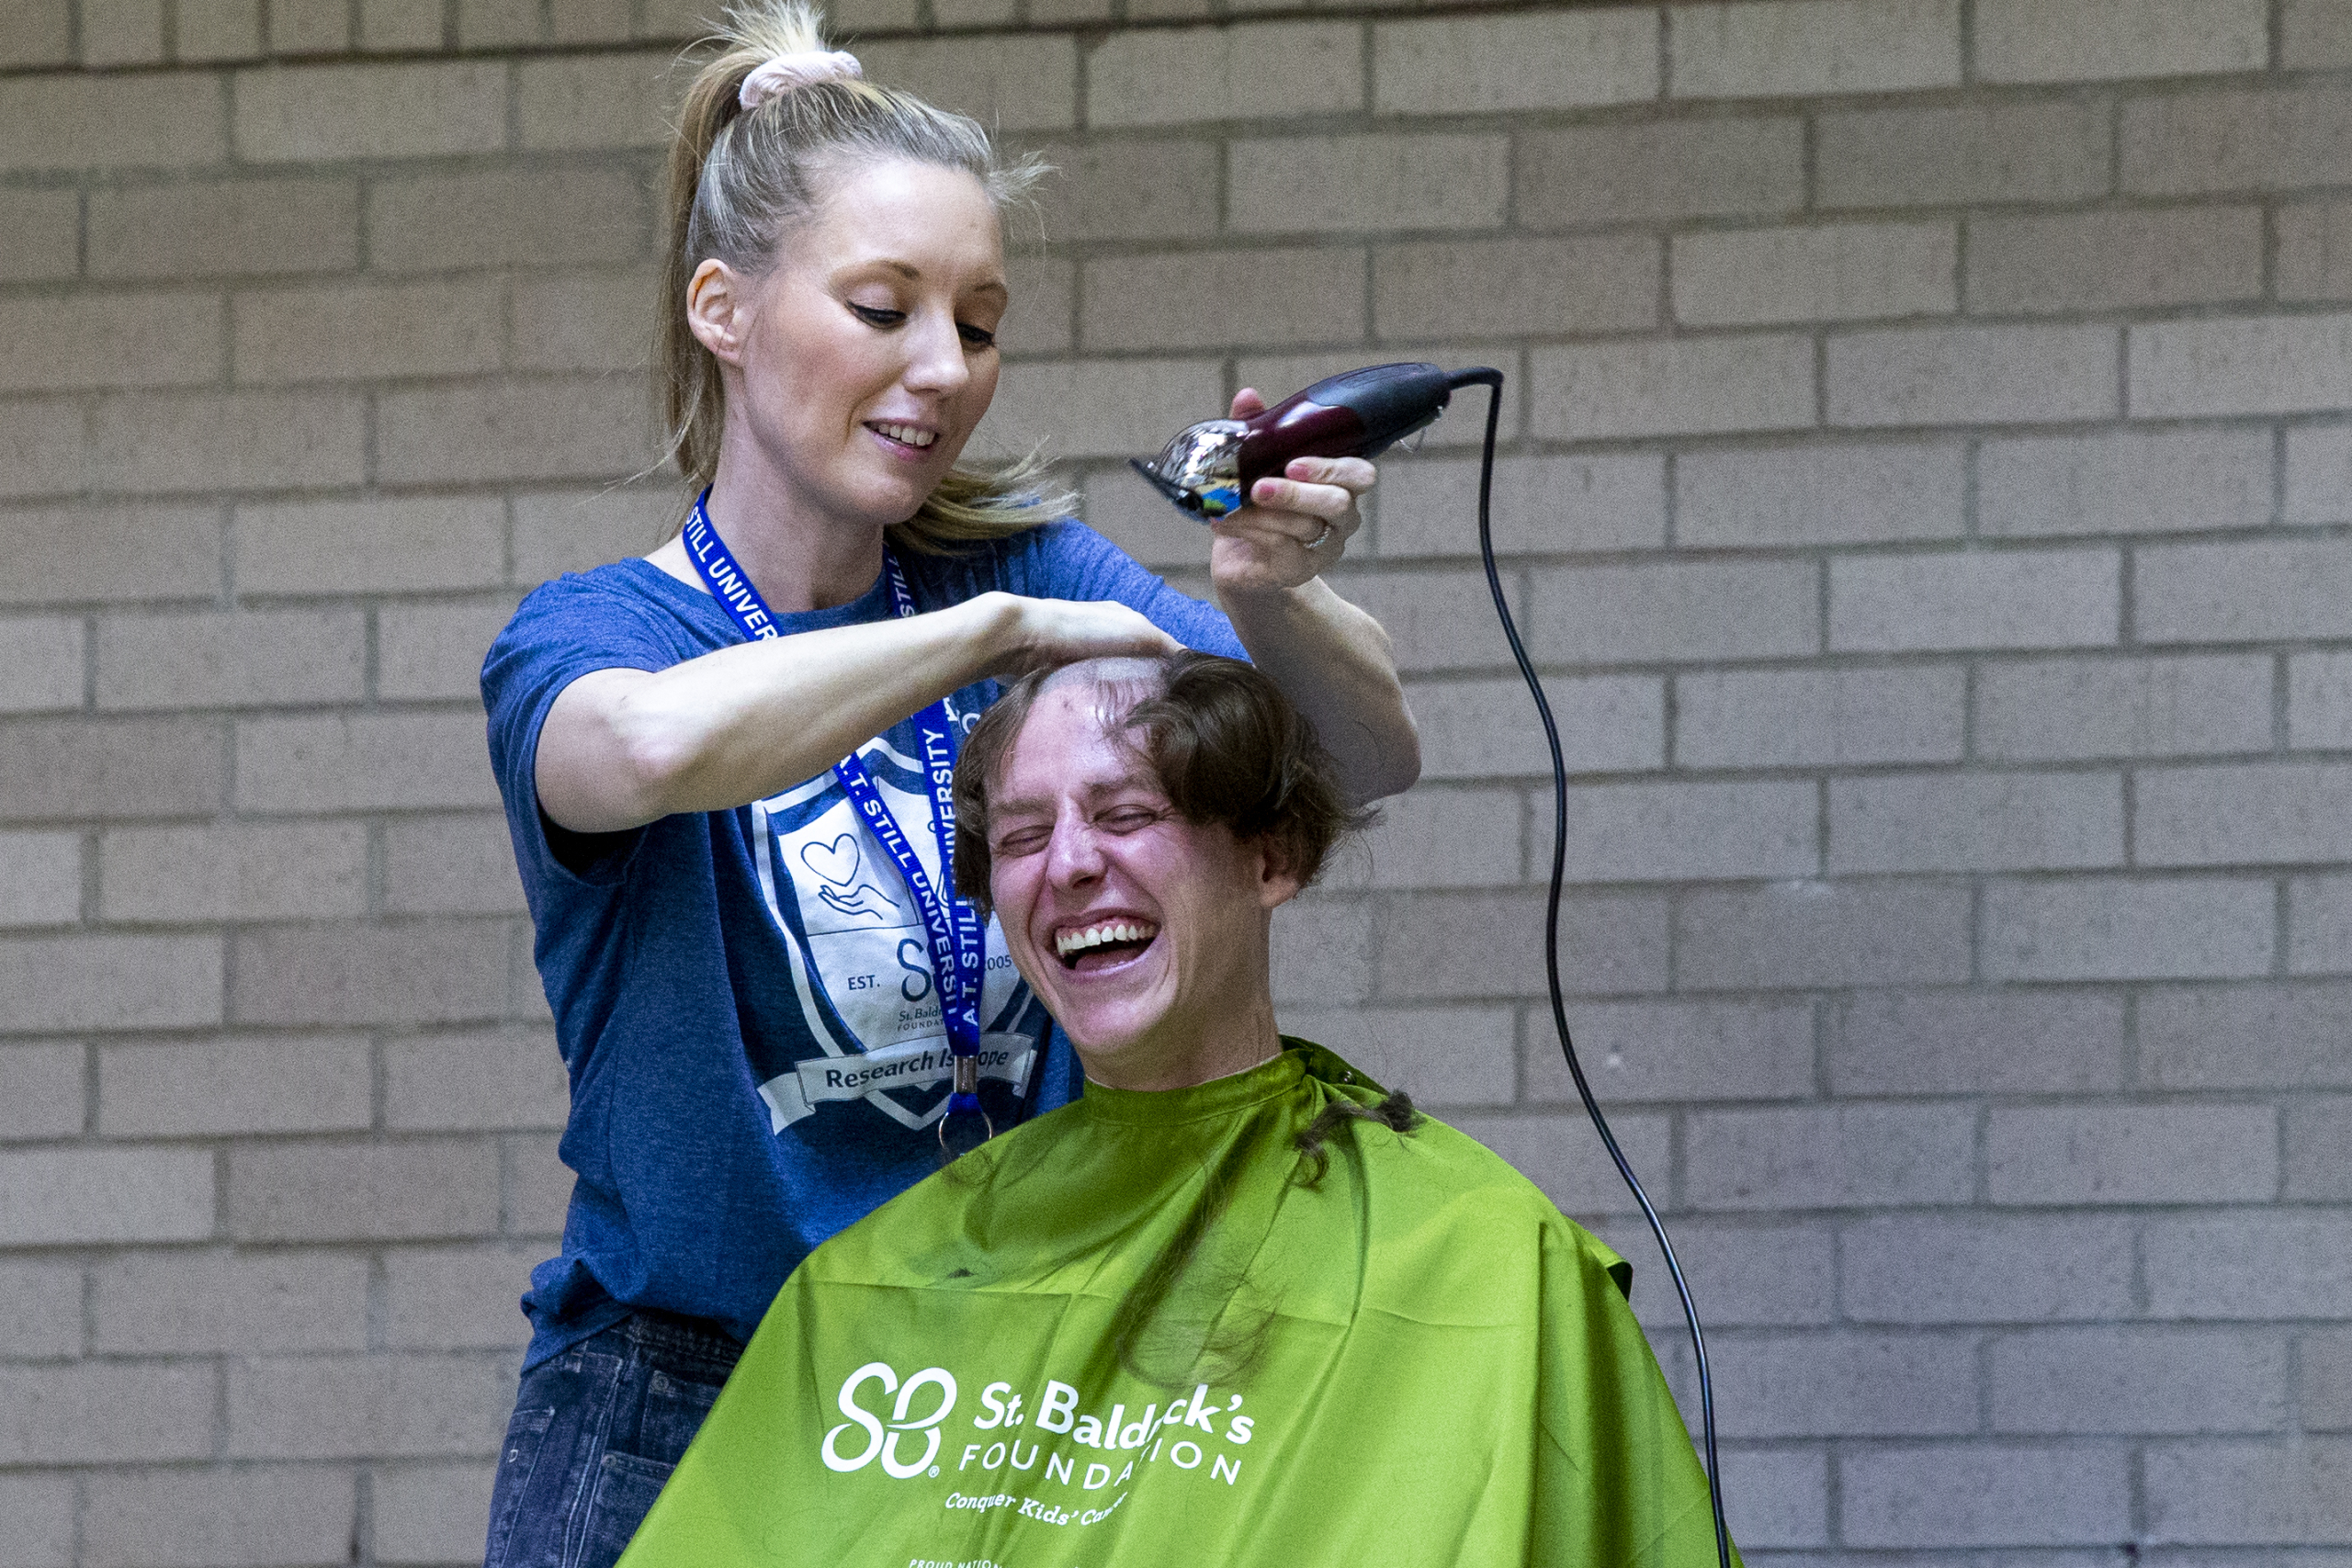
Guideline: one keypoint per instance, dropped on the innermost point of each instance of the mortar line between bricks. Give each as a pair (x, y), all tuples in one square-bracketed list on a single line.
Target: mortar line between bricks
[(1530, 803), (2130, 790), (2269, 260), (1673, 897), (1828, 1011), (1980, 1156), (1668, 320), (1962, 239), (88, 907), (88, 1125), (2293, 1414), (1677, 1176), (1976, 919), (2123, 337), (2282, 741), (2279, 475), (1664, 40), (378, 1309), (1809, 162), (2135, 1480), (1825, 580), (220, 1439), (2112, 101), (363, 1519), (1982, 1363), (2280, 1117), (1670, 480), (1822, 420)]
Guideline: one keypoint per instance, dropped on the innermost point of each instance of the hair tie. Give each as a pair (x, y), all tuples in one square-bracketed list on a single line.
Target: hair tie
[(805, 69)]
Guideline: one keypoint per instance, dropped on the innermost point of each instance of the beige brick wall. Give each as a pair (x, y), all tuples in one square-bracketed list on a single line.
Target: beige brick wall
[(1926, 481)]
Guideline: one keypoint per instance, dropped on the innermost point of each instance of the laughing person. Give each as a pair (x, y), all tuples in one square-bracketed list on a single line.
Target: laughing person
[(1236, 1304)]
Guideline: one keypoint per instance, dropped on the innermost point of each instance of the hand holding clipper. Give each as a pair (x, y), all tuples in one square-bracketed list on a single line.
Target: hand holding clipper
[(1208, 468)]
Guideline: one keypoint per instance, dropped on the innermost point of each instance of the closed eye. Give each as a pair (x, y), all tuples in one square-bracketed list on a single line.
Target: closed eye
[(976, 337), (876, 316), (1128, 818), (1020, 840)]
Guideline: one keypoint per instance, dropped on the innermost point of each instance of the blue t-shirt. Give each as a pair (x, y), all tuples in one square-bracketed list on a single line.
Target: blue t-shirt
[(744, 998)]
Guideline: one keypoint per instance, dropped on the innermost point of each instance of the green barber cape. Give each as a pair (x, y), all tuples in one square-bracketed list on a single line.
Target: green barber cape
[(1410, 1359)]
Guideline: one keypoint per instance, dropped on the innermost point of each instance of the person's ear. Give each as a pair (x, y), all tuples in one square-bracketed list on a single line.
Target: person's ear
[(719, 309), (1277, 883)]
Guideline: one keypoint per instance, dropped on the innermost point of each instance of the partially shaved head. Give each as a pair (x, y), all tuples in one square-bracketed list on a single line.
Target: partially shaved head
[(1226, 744), (1122, 682)]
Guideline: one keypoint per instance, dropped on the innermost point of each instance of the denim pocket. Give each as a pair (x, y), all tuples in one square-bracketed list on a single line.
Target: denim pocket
[(561, 1412), (626, 1487), (518, 1457), (674, 1411)]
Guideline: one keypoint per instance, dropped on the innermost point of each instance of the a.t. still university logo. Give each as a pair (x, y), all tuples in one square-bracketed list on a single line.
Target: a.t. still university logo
[(860, 957)]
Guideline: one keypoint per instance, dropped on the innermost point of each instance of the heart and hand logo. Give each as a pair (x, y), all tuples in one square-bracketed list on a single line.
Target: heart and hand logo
[(838, 865)]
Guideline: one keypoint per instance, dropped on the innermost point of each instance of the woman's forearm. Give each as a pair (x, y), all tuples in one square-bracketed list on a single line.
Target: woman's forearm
[(623, 747), (1334, 661), (743, 723)]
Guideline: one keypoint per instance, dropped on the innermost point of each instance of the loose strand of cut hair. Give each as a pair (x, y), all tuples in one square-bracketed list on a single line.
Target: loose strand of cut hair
[(1220, 1344), (739, 181), (1396, 1111), (1225, 1340)]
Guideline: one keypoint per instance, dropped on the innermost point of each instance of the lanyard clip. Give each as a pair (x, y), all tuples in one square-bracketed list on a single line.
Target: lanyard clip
[(964, 1100)]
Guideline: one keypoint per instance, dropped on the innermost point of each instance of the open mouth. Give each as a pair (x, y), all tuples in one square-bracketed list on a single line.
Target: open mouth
[(1106, 944), (914, 437)]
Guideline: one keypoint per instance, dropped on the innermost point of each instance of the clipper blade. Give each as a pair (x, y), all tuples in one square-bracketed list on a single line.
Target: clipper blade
[(1200, 469), (1167, 487)]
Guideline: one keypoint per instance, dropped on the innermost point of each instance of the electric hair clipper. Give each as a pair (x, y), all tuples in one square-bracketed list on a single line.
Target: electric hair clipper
[(1209, 468)]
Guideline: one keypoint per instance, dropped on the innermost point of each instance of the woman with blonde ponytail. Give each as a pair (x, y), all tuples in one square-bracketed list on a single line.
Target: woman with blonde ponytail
[(723, 762)]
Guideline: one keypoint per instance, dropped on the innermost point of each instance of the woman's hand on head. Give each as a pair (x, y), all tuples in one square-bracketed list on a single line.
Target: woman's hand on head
[(1046, 633), (1265, 545)]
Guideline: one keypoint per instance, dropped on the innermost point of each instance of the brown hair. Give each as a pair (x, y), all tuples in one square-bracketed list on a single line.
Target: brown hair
[(1228, 747), (741, 179)]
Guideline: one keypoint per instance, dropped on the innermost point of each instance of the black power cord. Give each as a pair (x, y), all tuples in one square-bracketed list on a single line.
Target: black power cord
[(1493, 381)]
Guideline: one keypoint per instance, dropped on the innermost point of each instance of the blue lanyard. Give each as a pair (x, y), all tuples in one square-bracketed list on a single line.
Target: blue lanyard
[(958, 952)]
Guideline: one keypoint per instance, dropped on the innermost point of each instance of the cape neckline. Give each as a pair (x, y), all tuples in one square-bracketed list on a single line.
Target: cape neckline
[(1269, 1079)]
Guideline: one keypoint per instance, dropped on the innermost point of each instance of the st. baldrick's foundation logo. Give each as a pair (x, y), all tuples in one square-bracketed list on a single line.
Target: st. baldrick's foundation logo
[(885, 1441), (922, 1404)]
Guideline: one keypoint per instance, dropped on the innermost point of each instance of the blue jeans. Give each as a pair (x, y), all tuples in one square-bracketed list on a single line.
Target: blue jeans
[(595, 1432)]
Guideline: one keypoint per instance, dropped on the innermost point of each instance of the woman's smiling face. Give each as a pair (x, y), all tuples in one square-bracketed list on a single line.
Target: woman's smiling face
[(866, 355), (1143, 933)]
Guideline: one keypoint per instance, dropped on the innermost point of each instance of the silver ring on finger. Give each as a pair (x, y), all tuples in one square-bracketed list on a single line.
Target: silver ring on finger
[(1317, 542)]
